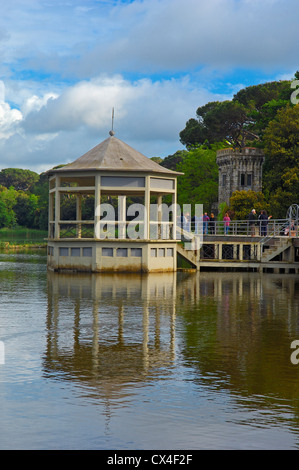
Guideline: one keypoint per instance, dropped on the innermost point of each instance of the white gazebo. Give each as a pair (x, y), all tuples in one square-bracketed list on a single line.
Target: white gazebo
[(112, 209)]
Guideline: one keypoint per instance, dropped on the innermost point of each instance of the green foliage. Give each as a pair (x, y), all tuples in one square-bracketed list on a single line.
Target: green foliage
[(242, 120), (242, 202), (8, 199), (21, 207), (22, 180), (257, 96), (41, 189), (157, 160), (261, 116), (281, 169), (172, 161), (199, 184), (26, 209), (222, 209)]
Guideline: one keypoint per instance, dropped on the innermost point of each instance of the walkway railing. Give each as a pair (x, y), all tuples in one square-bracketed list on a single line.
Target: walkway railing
[(273, 228)]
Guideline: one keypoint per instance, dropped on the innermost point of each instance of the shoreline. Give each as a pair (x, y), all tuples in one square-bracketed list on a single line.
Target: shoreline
[(7, 246)]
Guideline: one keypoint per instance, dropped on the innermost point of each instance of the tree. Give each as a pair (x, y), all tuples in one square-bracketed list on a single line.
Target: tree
[(230, 121), (281, 169), (41, 189), (256, 96), (157, 160), (242, 120), (218, 121), (8, 199), (199, 184), (172, 161), (242, 202), (26, 209), (22, 180)]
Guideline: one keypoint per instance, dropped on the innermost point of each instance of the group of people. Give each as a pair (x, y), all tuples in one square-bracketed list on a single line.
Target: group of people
[(209, 222), (261, 221)]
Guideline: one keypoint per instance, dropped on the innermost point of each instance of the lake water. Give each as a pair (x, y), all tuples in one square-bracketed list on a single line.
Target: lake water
[(159, 361)]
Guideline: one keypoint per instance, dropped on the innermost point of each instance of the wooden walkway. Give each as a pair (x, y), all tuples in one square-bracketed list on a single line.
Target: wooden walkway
[(277, 253)]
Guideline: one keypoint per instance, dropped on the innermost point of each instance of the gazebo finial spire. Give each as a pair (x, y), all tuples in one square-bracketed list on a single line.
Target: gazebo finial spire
[(112, 131)]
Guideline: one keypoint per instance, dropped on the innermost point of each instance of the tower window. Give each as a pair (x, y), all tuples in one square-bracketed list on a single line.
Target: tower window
[(242, 179), (223, 180)]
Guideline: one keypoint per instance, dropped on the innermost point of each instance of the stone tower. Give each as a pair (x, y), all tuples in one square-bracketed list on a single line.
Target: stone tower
[(239, 170)]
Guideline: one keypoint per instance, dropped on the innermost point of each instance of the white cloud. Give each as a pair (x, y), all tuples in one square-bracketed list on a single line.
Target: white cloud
[(56, 128), (9, 118), (34, 103), (150, 106)]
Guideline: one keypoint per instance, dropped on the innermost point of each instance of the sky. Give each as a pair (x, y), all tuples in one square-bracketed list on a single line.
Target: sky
[(66, 64)]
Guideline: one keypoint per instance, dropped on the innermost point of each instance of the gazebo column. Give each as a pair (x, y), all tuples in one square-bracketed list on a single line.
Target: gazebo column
[(57, 208), (160, 227), (147, 199), (122, 216), (97, 207), (79, 214), (174, 216), (51, 215)]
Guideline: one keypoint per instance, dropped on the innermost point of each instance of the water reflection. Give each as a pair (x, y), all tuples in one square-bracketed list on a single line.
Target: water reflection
[(110, 331), (237, 333), (122, 328), (225, 333)]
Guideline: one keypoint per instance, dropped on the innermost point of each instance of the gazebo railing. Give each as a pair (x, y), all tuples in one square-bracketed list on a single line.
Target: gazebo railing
[(112, 229), (76, 230)]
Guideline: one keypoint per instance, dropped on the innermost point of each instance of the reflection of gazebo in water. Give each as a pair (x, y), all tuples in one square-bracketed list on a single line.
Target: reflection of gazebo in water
[(112, 330), (98, 241)]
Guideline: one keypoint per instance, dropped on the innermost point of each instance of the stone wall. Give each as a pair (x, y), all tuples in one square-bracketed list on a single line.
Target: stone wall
[(239, 170)]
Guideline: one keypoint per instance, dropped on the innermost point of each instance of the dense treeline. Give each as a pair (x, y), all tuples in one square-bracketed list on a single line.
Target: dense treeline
[(23, 199), (261, 116)]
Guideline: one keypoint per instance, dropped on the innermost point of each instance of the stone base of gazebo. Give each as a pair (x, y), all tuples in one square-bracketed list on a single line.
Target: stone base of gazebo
[(112, 256)]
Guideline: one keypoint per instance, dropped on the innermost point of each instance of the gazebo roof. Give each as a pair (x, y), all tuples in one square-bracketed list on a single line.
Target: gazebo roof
[(114, 155)]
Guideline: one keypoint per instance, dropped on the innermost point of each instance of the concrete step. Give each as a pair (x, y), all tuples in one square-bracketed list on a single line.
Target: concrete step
[(275, 250), (189, 255)]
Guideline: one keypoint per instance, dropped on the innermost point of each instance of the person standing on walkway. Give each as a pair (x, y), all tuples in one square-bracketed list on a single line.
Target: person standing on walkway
[(259, 219), (252, 222), (205, 219), (226, 219), (212, 224), (263, 218)]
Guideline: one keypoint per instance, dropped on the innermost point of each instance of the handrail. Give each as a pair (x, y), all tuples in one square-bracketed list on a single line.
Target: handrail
[(286, 229), (281, 229), (272, 228)]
